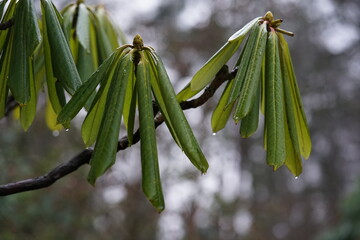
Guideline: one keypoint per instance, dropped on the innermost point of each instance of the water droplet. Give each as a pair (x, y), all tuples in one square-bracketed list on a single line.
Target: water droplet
[(214, 134), (297, 177), (55, 133), (67, 129)]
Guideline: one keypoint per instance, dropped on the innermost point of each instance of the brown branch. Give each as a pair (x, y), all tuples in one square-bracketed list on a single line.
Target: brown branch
[(85, 156), (7, 24)]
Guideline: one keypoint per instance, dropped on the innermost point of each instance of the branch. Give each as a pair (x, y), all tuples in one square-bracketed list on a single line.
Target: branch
[(85, 156), (7, 24)]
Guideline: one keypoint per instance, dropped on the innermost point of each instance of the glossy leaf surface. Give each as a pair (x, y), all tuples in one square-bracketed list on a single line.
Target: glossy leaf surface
[(26, 38), (104, 154), (149, 160), (274, 105)]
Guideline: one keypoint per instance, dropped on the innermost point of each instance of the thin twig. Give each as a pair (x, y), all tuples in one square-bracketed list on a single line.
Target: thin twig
[(85, 156), (7, 24)]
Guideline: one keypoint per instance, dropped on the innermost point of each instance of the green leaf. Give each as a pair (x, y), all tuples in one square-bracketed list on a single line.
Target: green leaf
[(221, 113), (213, 66), (26, 38), (84, 92), (151, 183), (186, 93), (295, 112), (243, 64), (215, 63), (104, 154), (106, 34), (68, 16), (154, 79), (130, 106), (83, 27), (27, 112), (131, 115), (93, 46), (5, 66), (85, 64), (178, 120), (239, 35), (252, 78), (92, 122), (63, 65), (293, 155), (249, 124), (50, 117), (50, 79), (274, 105), (293, 158), (263, 77)]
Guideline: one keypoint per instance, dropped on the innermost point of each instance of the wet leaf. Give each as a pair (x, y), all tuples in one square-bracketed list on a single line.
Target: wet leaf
[(104, 154), (26, 38), (222, 113), (295, 112), (178, 121), (274, 105), (151, 183)]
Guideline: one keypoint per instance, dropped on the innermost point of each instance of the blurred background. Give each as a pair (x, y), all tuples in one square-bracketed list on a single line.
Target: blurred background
[(240, 197)]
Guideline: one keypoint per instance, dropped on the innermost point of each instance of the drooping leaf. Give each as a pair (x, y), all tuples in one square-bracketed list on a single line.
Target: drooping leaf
[(295, 112), (151, 183), (211, 67), (93, 46), (252, 79), (274, 105), (222, 113), (85, 64), (84, 92), (263, 76), (106, 34), (131, 116), (63, 65), (5, 65), (215, 63), (68, 17), (83, 27), (50, 117), (27, 112), (129, 98), (249, 124), (26, 38), (181, 126), (155, 85), (91, 124), (50, 79), (293, 158), (104, 154), (243, 64), (130, 106)]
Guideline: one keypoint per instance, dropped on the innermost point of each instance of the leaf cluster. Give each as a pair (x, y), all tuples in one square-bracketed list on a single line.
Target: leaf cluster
[(132, 76), (57, 53), (265, 80)]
